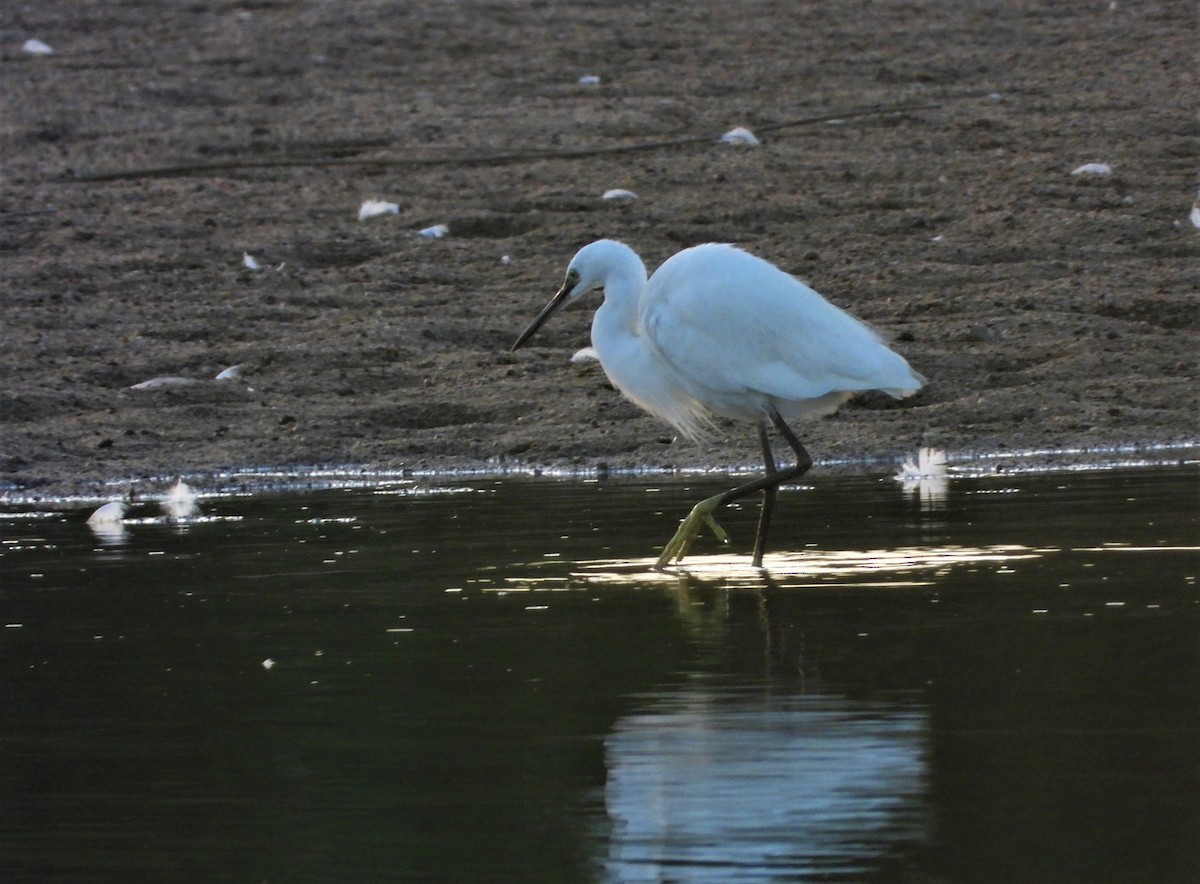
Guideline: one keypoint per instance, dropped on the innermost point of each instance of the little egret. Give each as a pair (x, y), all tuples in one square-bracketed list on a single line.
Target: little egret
[(718, 331)]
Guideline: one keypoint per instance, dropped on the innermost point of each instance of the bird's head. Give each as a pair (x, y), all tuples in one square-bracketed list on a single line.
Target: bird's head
[(591, 268)]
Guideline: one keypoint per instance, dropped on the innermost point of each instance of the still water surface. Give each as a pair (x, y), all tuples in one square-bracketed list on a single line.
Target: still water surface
[(994, 680)]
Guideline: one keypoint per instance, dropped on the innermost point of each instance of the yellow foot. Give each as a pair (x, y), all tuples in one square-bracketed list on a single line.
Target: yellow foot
[(677, 547)]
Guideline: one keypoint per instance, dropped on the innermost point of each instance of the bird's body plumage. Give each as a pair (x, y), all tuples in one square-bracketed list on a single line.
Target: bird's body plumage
[(717, 331)]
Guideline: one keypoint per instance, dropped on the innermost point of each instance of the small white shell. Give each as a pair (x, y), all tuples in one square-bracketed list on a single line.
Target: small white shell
[(374, 208), (37, 47), (233, 373), (740, 135), (1195, 216), (169, 381), (437, 231), (620, 194), (589, 80), (268, 663), (1093, 169), (250, 262), (110, 514)]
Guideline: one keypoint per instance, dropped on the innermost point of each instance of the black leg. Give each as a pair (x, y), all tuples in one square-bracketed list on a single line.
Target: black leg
[(701, 514), (769, 495), (770, 483)]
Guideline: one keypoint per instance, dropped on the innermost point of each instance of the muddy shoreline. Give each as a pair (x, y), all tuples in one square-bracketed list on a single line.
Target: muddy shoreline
[(1051, 311), (249, 480)]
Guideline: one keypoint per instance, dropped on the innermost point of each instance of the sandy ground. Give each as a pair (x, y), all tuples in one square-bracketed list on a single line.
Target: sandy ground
[(162, 141)]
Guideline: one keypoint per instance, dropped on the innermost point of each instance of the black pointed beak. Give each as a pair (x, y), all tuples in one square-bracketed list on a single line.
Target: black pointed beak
[(557, 301)]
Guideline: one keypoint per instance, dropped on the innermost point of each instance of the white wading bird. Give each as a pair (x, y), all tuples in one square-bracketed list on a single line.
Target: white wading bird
[(718, 331)]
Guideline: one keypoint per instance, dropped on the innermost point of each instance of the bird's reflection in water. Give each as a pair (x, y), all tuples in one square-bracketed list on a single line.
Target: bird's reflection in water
[(720, 784), (761, 777), (769, 775)]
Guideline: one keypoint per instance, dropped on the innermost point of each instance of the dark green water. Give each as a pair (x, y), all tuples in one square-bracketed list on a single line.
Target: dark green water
[(485, 684)]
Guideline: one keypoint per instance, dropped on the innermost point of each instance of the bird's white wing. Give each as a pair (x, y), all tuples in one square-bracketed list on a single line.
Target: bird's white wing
[(736, 323)]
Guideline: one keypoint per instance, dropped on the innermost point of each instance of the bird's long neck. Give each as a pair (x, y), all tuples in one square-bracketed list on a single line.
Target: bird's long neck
[(616, 331), (629, 357), (623, 288)]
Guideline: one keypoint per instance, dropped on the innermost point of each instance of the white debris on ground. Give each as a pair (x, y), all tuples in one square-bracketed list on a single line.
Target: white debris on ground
[(166, 381), (928, 476), (112, 513), (181, 501), (108, 522), (1093, 169), (36, 47), (619, 194), (437, 231), (930, 464), (233, 373), (375, 208), (740, 135)]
